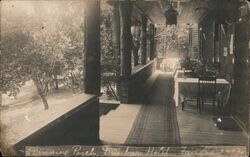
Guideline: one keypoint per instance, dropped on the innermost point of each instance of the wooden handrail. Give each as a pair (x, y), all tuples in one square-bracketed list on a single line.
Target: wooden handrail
[(143, 67)]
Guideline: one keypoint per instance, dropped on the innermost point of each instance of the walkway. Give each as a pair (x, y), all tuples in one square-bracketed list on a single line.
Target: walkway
[(156, 122)]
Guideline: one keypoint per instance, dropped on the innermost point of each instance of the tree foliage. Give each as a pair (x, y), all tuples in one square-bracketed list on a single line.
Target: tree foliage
[(173, 37), (12, 75), (43, 44), (109, 58), (43, 41)]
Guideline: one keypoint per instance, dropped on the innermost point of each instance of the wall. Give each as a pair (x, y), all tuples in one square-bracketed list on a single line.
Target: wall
[(137, 83), (207, 48), (230, 47), (78, 127)]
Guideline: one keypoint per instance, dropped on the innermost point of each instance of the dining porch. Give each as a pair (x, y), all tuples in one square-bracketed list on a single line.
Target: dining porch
[(163, 122)]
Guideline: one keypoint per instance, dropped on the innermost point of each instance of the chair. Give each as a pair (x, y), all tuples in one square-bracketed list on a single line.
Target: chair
[(189, 74), (206, 91)]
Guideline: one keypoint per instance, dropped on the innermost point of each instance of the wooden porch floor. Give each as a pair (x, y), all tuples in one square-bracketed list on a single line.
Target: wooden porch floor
[(162, 123), (200, 129)]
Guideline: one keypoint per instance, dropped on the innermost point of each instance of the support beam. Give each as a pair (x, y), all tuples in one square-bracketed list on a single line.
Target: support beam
[(125, 47), (155, 43), (152, 43), (125, 37), (240, 87), (144, 40), (92, 67), (115, 24), (161, 6), (140, 9), (190, 42), (92, 77), (200, 27)]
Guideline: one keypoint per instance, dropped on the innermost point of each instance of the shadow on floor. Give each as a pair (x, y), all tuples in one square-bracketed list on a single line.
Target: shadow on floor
[(226, 123), (105, 108)]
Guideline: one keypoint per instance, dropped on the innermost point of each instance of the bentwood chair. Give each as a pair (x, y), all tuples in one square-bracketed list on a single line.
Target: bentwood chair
[(206, 91)]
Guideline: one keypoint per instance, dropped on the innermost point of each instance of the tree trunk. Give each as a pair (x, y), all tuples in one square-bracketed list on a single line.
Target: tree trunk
[(112, 91), (42, 95), (1, 98), (46, 88), (72, 78), (56, 81)]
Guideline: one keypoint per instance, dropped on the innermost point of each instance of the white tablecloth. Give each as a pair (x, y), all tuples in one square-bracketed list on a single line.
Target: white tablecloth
[(180, 73), (189, 87)]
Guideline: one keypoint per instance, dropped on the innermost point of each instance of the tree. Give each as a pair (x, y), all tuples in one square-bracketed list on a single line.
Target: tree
[(36, 45), (109, 58), (173, 38), (12, 75)]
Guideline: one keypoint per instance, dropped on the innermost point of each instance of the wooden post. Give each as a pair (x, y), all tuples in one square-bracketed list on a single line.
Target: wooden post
[(190, 42), (92, 76), (92, 67), (155, 44), (144, 40), (125, 37), (125, 47), (241, 70), (214, 40), (152, 49), (201, 41), (116, 39)]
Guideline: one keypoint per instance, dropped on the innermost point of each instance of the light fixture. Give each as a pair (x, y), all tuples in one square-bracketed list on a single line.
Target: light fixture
[(244, 11), (241, 14), (171, 16), (136, 28)]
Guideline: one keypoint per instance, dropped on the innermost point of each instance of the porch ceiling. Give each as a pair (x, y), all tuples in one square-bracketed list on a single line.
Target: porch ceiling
[(190, 11)]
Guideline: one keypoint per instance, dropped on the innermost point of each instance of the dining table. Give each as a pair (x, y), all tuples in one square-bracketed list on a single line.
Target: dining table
[(189, 87)]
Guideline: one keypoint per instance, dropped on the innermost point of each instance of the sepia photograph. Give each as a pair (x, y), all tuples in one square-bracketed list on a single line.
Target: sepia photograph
[(123, 78)]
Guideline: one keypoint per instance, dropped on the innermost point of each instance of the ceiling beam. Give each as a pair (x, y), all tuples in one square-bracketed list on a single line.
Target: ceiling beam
[(139, 6), (208, 6), (160, 5)]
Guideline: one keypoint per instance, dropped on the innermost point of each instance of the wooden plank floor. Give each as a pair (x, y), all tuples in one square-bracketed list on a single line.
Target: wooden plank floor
[(160, 122), (200, 129), (156, 123), (116, 125)]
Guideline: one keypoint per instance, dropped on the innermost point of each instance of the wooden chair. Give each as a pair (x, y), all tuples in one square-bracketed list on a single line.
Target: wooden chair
[(206, 91), (188, 74)]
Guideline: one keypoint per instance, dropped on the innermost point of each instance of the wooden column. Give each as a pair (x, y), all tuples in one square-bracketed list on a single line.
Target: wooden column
[(190, 42), (221, 61), (92, 76), (115, 24), (125, 37), (155, 44), (125, 47), (214, 41), (92, 64), (144, 40), (241, 70), (152, 47)]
